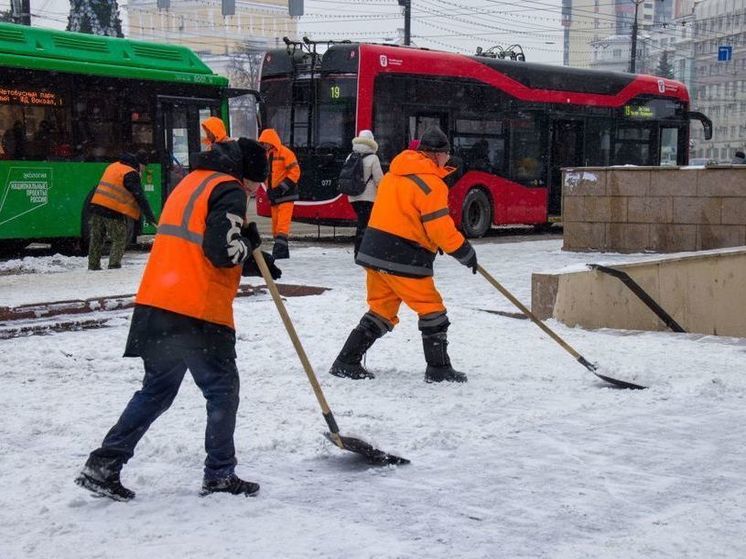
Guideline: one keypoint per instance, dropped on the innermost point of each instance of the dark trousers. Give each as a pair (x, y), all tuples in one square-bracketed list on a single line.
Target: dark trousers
[(218, 380), (362, 209)]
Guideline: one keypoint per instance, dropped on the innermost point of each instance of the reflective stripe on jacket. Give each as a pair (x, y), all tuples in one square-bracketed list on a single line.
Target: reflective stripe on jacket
[(178, 276), (283, 168), (112, 194), (410, 219)]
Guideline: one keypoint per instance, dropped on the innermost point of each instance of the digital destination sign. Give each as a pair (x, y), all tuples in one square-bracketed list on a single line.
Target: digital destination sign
[(14, 96)]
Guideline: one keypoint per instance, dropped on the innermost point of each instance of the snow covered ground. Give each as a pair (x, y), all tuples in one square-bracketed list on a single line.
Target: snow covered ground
[(534, 457)]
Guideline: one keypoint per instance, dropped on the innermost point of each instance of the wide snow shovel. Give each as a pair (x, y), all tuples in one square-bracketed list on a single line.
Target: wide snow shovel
[(374, 456), (592, 367)]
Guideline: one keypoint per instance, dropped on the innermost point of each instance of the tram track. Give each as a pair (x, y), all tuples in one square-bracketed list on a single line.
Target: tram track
[(100, 312)]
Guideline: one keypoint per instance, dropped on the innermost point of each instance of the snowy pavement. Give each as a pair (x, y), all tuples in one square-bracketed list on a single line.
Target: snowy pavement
[(533, 458)]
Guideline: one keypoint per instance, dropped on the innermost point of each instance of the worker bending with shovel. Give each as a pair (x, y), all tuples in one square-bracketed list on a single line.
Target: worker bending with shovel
[(410, 221)]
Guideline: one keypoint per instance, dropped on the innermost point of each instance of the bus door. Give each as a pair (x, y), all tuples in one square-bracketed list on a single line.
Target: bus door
[(179, 136), (566, 150)]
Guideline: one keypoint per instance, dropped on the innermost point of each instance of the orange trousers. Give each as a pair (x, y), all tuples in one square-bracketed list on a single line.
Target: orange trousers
[(386, 293), (281, 217)]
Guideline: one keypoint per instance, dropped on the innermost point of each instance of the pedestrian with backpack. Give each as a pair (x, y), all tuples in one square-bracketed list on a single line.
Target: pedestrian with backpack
[(359, 179)]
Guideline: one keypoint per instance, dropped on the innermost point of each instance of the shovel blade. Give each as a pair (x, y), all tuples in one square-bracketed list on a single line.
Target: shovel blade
[(373, 455), (620, 383)]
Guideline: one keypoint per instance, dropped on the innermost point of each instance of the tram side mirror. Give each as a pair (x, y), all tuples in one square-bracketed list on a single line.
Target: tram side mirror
[(706, 122)]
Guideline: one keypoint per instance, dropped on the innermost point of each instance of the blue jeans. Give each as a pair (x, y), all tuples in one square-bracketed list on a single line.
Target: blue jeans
[(164, 371)]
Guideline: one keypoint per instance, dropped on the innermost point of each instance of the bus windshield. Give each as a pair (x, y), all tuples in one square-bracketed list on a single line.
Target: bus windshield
[(286, 109)]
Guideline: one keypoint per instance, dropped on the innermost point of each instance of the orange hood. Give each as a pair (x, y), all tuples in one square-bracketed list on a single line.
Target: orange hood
[(411, 162), (270, 136), (214, 127)]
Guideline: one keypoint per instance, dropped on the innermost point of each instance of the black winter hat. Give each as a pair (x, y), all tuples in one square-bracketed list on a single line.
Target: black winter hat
[(433, 139), (255, 166)]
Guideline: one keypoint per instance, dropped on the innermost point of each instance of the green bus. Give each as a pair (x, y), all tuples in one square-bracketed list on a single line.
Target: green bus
[(71, 103)]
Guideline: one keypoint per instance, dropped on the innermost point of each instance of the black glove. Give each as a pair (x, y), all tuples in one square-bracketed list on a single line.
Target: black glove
[(466, 255), (251, 268), (279, 191), (472, 263), (251, 233)]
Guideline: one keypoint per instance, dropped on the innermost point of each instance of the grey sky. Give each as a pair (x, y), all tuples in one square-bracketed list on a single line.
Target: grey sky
[(454, 25)]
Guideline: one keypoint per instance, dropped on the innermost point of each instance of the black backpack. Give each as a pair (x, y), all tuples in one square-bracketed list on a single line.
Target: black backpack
[(351, 177)]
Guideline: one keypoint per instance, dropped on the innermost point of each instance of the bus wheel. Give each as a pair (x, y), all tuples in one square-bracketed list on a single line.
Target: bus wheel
[(476, 214)]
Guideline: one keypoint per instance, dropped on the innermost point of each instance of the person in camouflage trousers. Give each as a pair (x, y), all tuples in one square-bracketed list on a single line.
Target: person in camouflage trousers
[(101, 227), (118, 197)]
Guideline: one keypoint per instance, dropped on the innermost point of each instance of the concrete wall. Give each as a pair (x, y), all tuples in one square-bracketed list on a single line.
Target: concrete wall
[(704, 293), (659, 209)]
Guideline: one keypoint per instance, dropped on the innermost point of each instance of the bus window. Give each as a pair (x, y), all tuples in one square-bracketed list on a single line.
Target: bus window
[(597, 142), (34, 118), (632, 146), (335, 125), (480, 144), (421, 122), (669, 146), (527, 140), (243, 120), (277, 108)]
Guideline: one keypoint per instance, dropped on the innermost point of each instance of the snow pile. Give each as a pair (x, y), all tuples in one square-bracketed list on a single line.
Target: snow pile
[(533, 457)]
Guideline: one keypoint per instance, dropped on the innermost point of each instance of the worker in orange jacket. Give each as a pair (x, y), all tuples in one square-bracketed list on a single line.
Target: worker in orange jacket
[(282, 188), (215, 132), (409, 223), (183, 316)]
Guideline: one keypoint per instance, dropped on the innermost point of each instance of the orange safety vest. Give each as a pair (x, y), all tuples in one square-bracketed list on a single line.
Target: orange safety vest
[(111, 193), (178, 276)]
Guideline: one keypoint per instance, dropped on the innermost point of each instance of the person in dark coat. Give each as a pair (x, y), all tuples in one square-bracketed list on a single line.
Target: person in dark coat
[(183, 317)]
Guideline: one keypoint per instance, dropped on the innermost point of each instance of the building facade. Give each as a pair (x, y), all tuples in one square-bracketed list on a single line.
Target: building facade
[(201, 25), (719, 85)]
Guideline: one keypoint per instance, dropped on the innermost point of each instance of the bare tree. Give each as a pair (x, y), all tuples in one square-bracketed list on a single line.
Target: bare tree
[(245, 66)]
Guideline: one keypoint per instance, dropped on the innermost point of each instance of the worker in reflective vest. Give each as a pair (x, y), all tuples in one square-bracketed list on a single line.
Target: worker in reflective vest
[(282, 189), (118, 197), (183, 317), (410, 221)]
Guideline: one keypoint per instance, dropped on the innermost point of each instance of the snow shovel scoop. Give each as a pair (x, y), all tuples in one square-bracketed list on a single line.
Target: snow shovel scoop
[(592, 367), (374, 456)]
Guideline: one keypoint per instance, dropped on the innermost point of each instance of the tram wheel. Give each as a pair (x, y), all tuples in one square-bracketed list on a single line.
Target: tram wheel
[(476, 213)]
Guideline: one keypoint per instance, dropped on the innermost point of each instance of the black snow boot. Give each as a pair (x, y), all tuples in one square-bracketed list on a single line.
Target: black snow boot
[(348, 362), (230, 484), (101, 476), (438, 363), (280, 249)]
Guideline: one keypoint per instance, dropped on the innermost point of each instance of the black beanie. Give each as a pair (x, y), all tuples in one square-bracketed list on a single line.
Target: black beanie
[(255, 166), (433, 139)]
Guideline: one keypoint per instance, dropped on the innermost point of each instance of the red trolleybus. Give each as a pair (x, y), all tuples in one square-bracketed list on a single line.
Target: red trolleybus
[(513, 125)]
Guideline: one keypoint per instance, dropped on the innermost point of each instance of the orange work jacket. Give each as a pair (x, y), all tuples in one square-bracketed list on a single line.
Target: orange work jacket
[(111, 192), (178, 276), (410, 219), (284, 162)]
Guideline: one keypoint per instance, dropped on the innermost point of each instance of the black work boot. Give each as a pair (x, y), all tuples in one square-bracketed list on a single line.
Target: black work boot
[(438, 363), (280, 249), (347, 364), (230, 484), (101, 476)]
